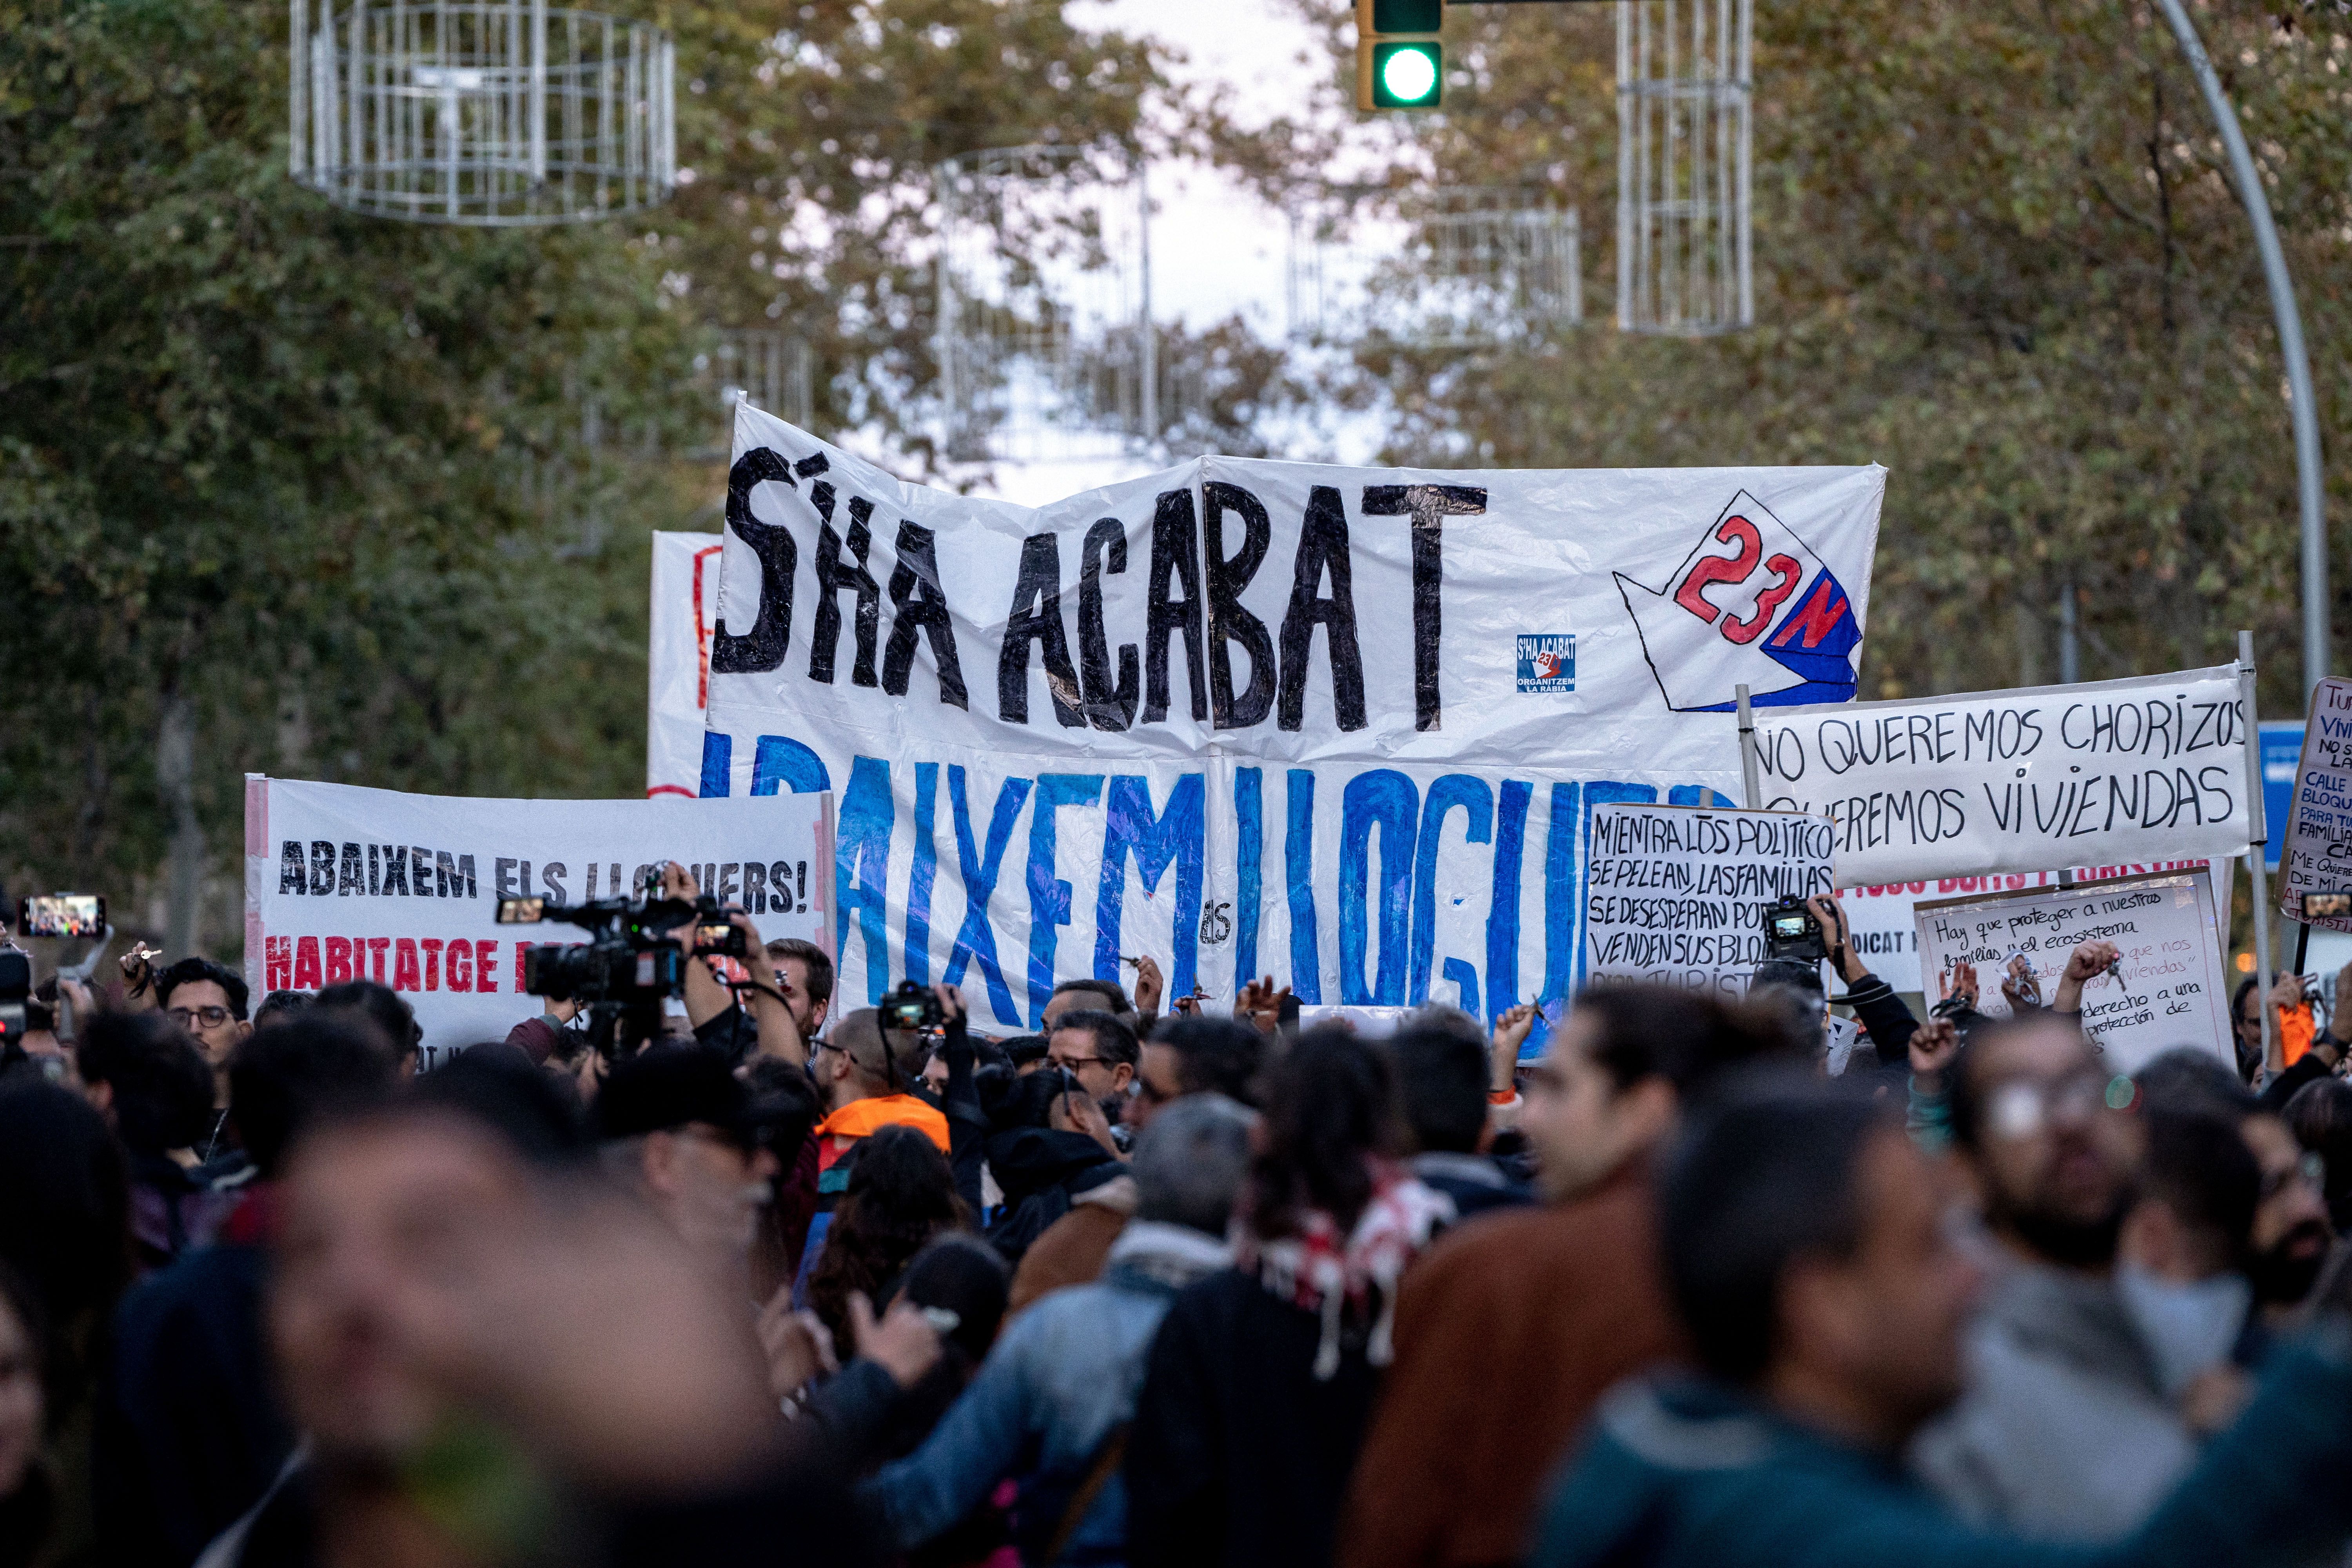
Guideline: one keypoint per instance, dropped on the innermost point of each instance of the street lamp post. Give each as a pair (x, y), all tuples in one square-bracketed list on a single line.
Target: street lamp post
[(2303, 412)]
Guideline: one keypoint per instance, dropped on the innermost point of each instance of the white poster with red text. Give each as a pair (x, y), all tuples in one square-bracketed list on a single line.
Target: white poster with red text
[(345, 883)]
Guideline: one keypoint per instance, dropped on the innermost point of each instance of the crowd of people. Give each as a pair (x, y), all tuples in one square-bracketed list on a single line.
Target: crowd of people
[(1688, 1285)]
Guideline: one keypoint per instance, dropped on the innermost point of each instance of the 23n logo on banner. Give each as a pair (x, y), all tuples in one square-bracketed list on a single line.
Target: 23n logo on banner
[(1751, 604)]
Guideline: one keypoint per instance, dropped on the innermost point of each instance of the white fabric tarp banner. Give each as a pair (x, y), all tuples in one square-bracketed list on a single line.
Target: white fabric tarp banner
[(1676, 894), (344, 883), (684, 610), (2316, 854), (2168, 988), (1337, 725), (2150, 768)]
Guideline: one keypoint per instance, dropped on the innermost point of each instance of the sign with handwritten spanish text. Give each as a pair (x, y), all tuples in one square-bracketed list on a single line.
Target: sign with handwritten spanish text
[(2167, 988), (1675, 895), (2149, 768), (2315, 853)]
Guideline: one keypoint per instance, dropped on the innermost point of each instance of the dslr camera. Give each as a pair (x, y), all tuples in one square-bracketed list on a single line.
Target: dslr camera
[(911, 1006), (1792, 931), (629, 966)]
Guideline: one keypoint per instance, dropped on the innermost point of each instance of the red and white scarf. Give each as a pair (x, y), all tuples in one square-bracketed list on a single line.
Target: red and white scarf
[(1319, 1271)]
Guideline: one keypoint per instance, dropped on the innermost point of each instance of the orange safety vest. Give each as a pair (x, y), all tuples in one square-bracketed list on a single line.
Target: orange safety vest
[(862, 1118)]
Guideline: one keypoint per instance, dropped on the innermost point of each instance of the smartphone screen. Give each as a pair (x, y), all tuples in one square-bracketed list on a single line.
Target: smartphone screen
[(62, 914), (521, 911)]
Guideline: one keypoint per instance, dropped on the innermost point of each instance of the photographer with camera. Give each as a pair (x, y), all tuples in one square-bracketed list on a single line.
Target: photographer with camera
[(1884, 1016), (781, 1018)]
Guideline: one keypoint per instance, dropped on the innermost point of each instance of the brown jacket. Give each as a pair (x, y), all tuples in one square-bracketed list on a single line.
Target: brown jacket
[(1507, 1334), (1071, 1250)]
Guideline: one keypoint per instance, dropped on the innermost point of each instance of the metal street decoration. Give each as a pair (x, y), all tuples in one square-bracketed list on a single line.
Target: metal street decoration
[(487, 113)]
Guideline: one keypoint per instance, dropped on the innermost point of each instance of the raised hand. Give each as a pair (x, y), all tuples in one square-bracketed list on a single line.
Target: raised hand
[(1150, 986), (902, 1342)]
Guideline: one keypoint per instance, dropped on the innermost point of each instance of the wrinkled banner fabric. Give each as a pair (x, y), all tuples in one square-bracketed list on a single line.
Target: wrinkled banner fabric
[(1339, 725)]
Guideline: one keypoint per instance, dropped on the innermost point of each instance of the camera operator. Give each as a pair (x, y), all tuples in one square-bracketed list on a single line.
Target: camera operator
[(1883, 1014), (780, 1023)]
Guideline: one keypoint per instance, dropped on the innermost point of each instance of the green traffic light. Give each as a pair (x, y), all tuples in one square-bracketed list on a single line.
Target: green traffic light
[(1407, 76)]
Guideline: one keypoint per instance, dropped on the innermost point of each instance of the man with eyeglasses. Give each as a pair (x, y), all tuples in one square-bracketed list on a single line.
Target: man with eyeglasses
[(2066, 1428), (208, 1001), (1100, 1053)]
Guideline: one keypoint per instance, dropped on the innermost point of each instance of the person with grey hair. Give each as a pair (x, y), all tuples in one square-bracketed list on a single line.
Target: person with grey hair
[(1063, 1379)]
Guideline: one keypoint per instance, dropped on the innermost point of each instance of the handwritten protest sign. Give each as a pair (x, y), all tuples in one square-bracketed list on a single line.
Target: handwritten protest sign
[(2168, 990), (343, 883), (2316, 855), (2148, 768), (1676, 894), (1881, 918)]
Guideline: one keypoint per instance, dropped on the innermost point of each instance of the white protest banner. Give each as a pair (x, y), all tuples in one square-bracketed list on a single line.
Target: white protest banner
[(677, 662), (1340, 725), (344, 883), (1880, 917), (2150, 768), (2316, 855), (2168, 989), (1676, 894)]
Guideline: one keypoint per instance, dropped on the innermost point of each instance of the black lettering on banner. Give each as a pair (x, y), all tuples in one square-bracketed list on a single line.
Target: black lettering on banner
[(350, 879), (1037, 616), (779, 878), (420, 872), (762, 647), (1175, 552), (1429, 506), (293, 876), (503, 877), (832, 577), (1322, 545), (395, 870), (1228, 623), (918, 603), (755, 887), (1108, 707), (553, 874), (322, 866)]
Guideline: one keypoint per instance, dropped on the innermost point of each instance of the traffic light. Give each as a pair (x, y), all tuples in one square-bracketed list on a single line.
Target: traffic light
[(1400, 64)]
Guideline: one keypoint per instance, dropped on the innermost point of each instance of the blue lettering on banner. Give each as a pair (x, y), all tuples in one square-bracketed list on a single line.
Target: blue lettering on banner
[(924, 873), (1298, 881), (1503, 906), (861, 870), (780, 762), (1471, 796), (1388, 800), (1388, 923), (1049, 895), (1249, 849), (976, 938), (1177, 837)]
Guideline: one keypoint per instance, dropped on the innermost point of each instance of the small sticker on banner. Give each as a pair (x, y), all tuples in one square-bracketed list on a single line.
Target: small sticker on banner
[(1546, 662)]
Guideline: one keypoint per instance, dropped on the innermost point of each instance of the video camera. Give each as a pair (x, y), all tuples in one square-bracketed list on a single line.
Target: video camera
[(629, 966)]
